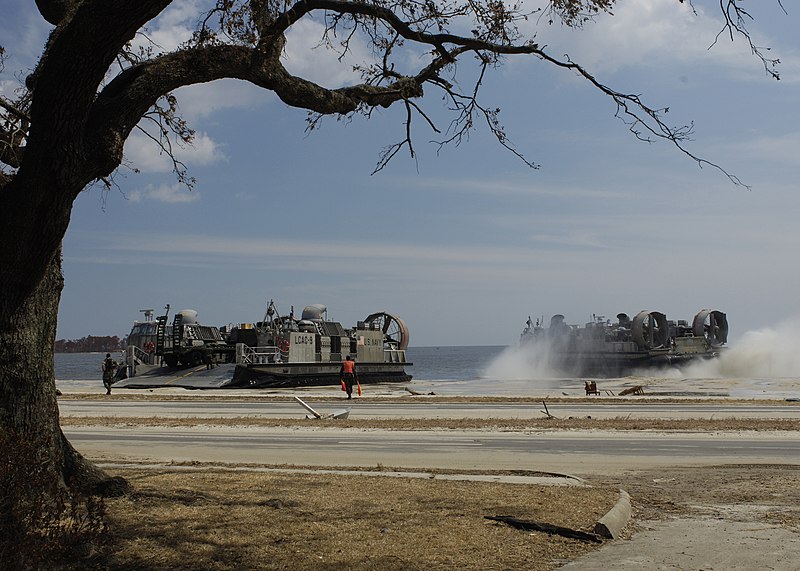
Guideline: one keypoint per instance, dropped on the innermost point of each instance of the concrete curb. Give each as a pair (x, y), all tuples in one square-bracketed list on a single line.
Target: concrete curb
[(612, 523)]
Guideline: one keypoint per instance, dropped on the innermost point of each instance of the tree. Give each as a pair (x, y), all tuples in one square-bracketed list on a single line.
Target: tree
[(98, 79)]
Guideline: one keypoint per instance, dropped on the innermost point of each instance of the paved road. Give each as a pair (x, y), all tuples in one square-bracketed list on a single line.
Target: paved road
[(575, 452), (420, 409)]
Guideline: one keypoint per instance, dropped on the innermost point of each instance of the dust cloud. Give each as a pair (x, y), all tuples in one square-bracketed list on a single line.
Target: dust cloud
[(771, 352), (524, 362)]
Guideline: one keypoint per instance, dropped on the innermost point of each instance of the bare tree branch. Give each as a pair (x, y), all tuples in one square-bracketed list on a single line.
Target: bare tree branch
[(402, 27), (736, 18), (14, 125), (645, 122), (19, 113)]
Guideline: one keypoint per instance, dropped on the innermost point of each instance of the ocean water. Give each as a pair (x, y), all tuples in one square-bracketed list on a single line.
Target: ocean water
[(463, 371), (80, 366), (429, 363)]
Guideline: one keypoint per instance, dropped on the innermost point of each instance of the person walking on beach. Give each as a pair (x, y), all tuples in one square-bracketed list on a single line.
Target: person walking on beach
[(108, 367), (348, 375)]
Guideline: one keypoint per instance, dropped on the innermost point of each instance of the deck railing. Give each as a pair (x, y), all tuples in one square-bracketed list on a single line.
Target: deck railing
[(136, 356), (246, 355), (394, 356), (141, 356)]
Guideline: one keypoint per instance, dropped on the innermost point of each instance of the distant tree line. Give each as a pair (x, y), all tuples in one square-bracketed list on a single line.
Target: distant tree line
[(91, 344)]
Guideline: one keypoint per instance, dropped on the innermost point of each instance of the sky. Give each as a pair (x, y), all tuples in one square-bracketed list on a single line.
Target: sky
[(464, 242)]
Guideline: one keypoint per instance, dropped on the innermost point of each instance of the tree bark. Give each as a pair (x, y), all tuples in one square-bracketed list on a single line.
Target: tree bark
[(28, 405)]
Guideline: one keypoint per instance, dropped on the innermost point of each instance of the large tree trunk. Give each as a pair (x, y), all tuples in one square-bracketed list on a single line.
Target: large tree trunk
[(28, 405), (60, 158)]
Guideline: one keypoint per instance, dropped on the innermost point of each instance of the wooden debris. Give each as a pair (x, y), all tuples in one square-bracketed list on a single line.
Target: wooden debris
[(547, 412), (530, 525), (417, 393), (343, 414), (637, 390)]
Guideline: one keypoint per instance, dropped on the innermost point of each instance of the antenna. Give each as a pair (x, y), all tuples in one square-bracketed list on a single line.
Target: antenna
[(148, 314)]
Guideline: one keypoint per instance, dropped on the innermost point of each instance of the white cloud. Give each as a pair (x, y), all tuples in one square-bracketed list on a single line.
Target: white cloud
[(569, 239), (171, 27), (581, 277), (170, 193), (305, 57), (777, 148), (175, 24), (653, 33), (203, 151), (167, 39), (527, 187), (204, 99), (230, 248), (8, 88), (148, 157), (144, 154)]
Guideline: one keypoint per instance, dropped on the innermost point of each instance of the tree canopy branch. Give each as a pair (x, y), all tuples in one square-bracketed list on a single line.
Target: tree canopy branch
[(399, 25)]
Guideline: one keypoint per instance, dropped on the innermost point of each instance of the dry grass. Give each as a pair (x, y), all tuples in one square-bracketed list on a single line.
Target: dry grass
[(223, 520)]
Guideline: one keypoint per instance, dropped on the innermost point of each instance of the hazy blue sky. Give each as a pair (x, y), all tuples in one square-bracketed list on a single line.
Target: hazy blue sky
[(465, 243)]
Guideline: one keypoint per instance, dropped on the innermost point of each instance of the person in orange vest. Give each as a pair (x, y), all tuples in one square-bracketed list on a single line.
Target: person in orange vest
[(348, 375)]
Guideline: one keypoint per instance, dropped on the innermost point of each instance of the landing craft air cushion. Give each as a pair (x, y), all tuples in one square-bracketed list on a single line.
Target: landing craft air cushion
[(280, 351), (605, 349)]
